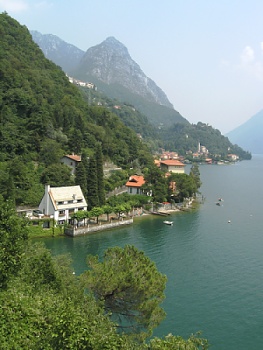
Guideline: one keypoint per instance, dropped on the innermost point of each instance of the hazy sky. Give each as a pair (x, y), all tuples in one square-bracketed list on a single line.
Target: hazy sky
[(206, 55)]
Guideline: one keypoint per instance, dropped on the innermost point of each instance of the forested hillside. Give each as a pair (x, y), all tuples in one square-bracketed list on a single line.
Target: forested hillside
[(159, 124), (179, 137), (43, 116), (187, 137)]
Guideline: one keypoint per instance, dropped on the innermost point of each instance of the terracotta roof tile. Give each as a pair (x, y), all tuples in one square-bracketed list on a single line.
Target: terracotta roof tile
[(74, 157), (172, 162), (135, 181)]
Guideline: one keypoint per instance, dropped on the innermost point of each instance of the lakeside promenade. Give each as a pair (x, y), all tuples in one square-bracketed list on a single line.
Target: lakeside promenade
[(103, 225)]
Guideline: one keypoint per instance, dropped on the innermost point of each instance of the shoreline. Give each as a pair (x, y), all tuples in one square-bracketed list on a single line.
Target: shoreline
[(108, 225)]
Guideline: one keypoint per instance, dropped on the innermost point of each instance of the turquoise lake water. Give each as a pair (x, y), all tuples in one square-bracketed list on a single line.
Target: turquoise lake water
[(214, 267)]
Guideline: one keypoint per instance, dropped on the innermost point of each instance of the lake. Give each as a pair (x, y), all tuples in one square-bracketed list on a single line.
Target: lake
[(213, 257)]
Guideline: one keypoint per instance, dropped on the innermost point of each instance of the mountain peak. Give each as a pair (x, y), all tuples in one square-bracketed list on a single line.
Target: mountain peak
[(112, 39), (110, 62)]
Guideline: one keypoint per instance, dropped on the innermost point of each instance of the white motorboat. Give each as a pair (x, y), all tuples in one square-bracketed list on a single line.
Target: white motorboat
[(168, 222)]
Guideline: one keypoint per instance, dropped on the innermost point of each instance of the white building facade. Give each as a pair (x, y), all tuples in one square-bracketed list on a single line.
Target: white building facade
[(62, 202)]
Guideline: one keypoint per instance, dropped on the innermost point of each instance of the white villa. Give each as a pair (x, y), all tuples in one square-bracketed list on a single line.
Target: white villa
[(62, 202)]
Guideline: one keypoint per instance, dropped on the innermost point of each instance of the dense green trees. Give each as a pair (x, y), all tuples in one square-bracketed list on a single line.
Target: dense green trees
[(131, 292), (43, 116), (185, 137), (155, 184), (81, 178), (20, 181), (57, 175), (13, 237), (100, 175), (90, 176), (185, 186), (92, 183), (195, 174), (44, 305)]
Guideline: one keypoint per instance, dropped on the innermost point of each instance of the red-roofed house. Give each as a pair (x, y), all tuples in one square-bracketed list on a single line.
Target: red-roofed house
[(71, 160), (134, 184), (173, 166)]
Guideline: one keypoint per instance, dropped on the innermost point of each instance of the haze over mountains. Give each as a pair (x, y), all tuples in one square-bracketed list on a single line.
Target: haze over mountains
[(110, 67), (249, 135), (65, 55), (111, 63)]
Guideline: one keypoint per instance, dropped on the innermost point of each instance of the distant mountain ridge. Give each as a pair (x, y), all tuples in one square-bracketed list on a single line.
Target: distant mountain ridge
[(121, 81), (249, 135), (65, 55), (111, 68)]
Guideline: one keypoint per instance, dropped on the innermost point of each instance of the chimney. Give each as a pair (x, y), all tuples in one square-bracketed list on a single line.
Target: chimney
[(47, 189)]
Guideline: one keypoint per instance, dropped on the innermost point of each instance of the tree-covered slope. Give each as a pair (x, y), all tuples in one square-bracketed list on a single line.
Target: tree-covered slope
[(38, 105), (43, 116), (128, 114), (106, 66), (185, 138), (157, 114)]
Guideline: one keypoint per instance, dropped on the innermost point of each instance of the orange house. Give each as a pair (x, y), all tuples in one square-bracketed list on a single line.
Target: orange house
[(134, 184)]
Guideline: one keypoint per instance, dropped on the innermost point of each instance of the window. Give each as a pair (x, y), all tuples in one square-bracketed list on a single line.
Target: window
[(80, 200)]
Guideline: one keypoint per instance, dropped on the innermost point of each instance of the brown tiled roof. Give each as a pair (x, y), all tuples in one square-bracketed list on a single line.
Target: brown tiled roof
[(135, 181), (74, 157), (172, 162)]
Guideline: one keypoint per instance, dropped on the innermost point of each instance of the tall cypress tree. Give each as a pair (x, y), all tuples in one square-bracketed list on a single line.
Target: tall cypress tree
[(100, 175), (81, 178), (92, 184)]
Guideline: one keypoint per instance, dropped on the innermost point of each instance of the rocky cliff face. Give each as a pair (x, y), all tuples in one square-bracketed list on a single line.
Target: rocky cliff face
[(110, 67), (110, 63), (65, 55)]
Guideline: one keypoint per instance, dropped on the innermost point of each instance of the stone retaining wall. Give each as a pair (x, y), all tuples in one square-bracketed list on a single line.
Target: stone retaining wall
[(94, 228)]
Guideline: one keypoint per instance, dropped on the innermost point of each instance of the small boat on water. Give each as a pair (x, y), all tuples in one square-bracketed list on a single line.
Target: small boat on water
[(168, 222)]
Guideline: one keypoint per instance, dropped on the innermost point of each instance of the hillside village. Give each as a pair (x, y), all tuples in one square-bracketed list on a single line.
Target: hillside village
[(67, 205), (74, 161), (81, 83), (52, 136)]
